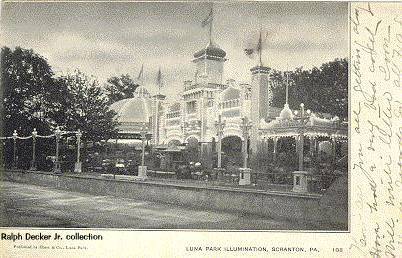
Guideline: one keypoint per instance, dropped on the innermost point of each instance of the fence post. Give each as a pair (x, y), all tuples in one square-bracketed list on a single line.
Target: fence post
[(78, 164), (33, 162), (56, 168), (15, 135)]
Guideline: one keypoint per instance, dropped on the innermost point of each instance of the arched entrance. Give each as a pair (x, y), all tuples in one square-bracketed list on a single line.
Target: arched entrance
[(173, 143), (232, 151), (192, 150)]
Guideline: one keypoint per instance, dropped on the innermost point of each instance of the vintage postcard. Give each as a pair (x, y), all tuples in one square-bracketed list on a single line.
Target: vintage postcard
[(201, 129)]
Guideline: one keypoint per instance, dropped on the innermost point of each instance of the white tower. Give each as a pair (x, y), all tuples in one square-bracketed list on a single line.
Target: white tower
[(209, 63), (261, 97)]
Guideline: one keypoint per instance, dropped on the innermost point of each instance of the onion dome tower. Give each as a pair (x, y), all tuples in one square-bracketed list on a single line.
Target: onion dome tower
[(209, 60), (209, 63)]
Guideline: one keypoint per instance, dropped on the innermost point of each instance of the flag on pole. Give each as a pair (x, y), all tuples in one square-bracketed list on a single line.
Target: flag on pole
[(208, 20), (252, 49), (141, 74), (249, 52)]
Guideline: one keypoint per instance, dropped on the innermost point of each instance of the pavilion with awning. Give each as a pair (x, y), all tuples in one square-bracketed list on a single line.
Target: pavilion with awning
[(300, 125)]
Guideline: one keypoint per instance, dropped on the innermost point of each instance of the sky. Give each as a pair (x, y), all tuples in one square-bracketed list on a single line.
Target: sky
[(106, 39)]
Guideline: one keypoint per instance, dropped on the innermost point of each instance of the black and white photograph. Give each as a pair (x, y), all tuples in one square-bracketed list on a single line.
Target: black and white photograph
[(208, 116)]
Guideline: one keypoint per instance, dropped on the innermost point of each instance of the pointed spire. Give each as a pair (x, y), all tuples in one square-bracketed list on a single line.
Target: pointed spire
[(159, 80), (287, 87), (211, 25), (141, 75), (259, 48)]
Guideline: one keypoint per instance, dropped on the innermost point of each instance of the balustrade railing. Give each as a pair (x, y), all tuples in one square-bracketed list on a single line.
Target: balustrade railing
[(19, 141), (259, 180)]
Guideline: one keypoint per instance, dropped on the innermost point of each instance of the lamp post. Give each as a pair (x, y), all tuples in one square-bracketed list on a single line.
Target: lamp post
[(33, 162), (15, 135), (245, 126), (245, 173), (301, 139), (300, 177), (303, 117), (333, 141), (78, 167), (143, 139), (219, 128), (56, 168), (142, 170)]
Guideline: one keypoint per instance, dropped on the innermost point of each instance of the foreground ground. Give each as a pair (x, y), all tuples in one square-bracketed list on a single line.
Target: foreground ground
[(25, 205)]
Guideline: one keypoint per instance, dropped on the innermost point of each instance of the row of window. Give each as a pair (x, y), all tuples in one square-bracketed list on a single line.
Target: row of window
[(191, 107), (173, 114), (194, 95), (172, 123), (230, 104), (197, 95)]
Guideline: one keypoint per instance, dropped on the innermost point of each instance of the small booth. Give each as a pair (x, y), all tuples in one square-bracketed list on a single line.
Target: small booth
[(300, 181), (170, 158), (244, 176), (301, 126)]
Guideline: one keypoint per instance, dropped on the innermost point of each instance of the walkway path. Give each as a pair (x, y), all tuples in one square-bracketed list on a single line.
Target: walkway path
[(25, 205)]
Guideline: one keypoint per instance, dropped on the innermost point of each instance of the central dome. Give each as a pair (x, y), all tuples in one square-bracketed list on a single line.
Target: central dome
[(133, 113), (132, 110), (212, 50)]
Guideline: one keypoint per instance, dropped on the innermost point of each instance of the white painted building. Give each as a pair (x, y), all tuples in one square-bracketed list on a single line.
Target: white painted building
[(202, 101)]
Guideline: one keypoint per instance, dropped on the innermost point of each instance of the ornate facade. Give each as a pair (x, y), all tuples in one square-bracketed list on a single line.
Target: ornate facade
[(207, 99)]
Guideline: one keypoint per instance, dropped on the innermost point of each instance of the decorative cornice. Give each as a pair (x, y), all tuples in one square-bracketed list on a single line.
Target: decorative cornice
[(259, 69)]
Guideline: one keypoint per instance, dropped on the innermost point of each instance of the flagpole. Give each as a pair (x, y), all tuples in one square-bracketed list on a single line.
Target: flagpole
[(260, 48), (140, 77), (210, 37), (156, 122), (205, 63), (211, 24), (159, 81), (208, 21)]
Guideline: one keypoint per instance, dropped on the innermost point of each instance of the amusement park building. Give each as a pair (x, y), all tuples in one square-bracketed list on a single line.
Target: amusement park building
[(207, 99)]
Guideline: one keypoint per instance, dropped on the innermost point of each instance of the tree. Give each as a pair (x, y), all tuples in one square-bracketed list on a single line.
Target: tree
[(334, 76), (323, 89), (277, 80), (28, 91), (86, 108), (120, 87)]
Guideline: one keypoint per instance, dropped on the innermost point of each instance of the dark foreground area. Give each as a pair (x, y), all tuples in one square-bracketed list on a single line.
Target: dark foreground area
[(25, 205)]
